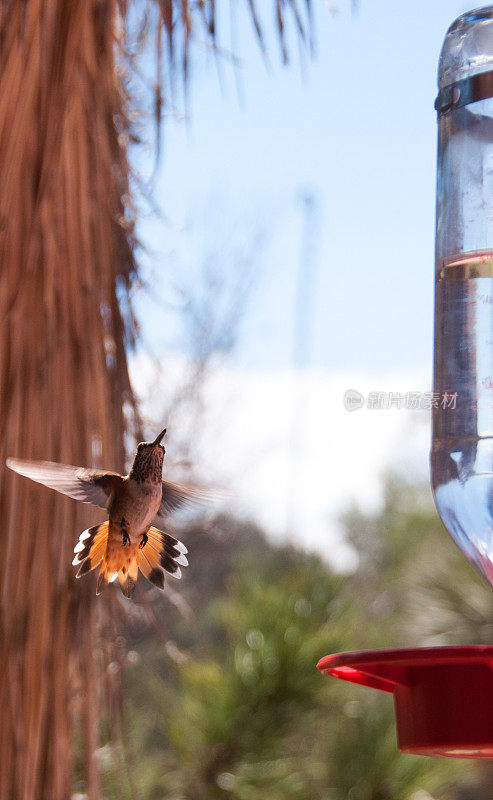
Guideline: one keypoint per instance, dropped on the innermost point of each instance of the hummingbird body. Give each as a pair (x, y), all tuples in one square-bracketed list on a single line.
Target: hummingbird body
[(127, 541), (137, 505)]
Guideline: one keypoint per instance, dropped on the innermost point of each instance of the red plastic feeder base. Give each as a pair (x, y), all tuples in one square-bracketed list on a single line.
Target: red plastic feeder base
[(443, 695)]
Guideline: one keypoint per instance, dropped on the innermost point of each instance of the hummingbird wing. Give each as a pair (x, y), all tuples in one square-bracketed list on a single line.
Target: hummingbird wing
[(178, 495), (87, 485)]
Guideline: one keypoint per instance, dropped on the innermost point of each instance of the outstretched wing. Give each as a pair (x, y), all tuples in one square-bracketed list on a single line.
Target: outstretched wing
[(178, 495), (87, 485)]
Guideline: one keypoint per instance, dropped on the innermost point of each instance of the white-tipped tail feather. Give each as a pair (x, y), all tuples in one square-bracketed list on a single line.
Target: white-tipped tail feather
[(161, 554)]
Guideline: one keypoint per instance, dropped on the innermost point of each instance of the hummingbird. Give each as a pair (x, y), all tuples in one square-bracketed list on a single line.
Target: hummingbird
[(128, 541)]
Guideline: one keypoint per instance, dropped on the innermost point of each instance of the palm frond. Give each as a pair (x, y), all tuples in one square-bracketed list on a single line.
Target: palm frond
[(66, 249)]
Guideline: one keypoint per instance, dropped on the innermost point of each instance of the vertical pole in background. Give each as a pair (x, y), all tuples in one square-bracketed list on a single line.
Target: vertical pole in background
[(304, 307)]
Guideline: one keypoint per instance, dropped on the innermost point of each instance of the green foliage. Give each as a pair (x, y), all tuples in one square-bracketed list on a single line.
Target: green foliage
[(265, 675), (364, 760)]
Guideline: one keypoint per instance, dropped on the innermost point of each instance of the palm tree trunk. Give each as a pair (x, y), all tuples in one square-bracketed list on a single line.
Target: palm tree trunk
[(65, 252)]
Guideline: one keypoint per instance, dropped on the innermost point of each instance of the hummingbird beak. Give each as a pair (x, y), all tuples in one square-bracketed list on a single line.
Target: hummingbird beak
[(157, 440)]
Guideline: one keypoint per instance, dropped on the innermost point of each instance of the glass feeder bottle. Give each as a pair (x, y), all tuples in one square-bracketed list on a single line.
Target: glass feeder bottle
[(462, 439)]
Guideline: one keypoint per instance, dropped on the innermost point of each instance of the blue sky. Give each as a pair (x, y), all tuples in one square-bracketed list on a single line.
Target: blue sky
[(356, 127)]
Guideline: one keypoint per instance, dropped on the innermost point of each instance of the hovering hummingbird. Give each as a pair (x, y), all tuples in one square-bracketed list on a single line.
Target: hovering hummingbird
[(127, 541)]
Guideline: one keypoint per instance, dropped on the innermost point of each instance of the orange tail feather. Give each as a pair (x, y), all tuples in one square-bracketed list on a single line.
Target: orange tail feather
[(161, 553)]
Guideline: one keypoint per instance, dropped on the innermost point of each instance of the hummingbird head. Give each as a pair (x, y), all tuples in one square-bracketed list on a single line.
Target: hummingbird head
[(148, 461)]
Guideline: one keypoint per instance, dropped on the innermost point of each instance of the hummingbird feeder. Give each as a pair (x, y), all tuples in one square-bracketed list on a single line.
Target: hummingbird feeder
[(444, 695)]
